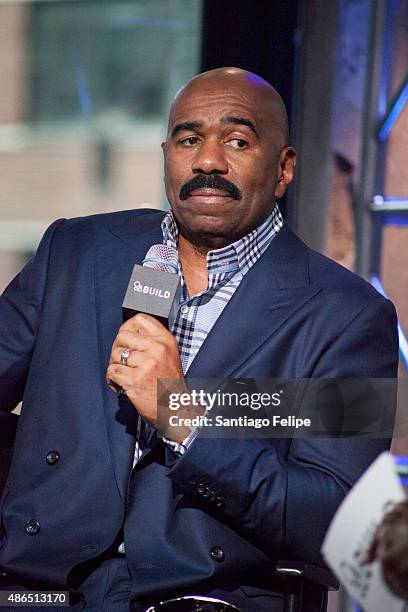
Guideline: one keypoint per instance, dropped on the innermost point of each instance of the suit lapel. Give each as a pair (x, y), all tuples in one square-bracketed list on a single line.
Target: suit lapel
[(271, 292), (117, 250)]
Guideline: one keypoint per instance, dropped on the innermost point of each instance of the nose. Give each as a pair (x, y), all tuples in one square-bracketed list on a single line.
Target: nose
[(210, 158)]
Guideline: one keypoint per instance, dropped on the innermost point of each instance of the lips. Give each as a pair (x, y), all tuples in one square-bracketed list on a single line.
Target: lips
[(210, 193)]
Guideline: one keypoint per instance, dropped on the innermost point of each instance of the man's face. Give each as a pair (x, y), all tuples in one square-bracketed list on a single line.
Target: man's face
[(224, 161)]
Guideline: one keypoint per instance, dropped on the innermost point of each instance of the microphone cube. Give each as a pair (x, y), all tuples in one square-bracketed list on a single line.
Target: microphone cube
[(151, 291)]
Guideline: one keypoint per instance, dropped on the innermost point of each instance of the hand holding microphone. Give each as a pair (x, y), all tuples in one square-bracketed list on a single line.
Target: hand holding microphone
[(144, 351), (153, 354)]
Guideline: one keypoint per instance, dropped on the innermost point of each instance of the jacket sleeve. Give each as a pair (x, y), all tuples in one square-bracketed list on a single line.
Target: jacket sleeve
[(284, 504), (20, 313)]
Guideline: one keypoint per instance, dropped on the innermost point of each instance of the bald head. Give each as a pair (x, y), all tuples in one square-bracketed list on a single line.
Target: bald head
[(266, 101)]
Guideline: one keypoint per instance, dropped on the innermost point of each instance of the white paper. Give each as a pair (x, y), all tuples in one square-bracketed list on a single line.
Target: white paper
[(351, 532)]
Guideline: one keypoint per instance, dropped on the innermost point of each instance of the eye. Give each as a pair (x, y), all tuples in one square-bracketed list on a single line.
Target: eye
[(190, 141), (238, 143)]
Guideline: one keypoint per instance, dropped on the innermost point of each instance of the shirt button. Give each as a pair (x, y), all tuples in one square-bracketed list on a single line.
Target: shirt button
[(32, 527), (52, 457), (184, 309), (217, 554)]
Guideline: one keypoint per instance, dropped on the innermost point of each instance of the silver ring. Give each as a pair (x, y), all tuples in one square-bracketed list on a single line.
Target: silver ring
[(124, 356)]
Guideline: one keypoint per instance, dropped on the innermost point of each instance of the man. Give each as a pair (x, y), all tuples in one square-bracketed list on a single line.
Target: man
[(194, 515)]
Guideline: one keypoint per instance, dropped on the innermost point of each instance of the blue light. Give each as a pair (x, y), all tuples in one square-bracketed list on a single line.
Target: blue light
[(403, 343), (391, 211), (394, 112), (400, 459), (385, 203), (390, 8), (394, 219), (84, 95)]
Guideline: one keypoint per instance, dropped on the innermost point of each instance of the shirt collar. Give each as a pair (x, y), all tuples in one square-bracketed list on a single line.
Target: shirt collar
[(241, 254)]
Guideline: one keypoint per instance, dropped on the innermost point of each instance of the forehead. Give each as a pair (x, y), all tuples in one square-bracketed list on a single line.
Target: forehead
[(210, 104)]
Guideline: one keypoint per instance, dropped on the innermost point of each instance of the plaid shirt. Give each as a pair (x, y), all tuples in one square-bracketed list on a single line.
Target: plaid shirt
[(226, 268)]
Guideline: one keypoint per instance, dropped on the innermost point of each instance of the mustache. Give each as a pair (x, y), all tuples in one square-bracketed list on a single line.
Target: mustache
[(209, 181)]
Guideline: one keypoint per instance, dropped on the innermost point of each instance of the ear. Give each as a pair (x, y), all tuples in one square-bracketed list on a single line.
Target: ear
[(287, 163), (163, 148)]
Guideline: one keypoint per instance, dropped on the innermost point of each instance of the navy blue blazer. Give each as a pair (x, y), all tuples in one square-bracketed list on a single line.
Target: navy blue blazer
[(296, 314)]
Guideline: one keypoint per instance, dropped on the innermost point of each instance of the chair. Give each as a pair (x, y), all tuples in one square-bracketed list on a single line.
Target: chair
[(297, 576)]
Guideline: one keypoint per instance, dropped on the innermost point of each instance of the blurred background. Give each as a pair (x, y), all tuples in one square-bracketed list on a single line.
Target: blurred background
[(86, 86)]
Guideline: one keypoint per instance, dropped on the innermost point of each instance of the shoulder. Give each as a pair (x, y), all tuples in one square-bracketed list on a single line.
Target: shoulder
[(338, 280), (143, 217), (319, 270), (347, 296), (342, 293), (80, 231)]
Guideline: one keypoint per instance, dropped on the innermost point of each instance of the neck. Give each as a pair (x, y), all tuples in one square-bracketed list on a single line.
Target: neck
[(194, 264)]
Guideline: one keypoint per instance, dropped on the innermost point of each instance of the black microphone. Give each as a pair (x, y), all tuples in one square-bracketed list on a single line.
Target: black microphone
[(154, 286), (153, 289)]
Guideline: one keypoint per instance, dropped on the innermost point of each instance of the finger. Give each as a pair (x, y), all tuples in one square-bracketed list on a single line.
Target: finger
[(119, 375), (134, 357), (126, 339), (156, 346), (131, 342), (127, 377), (144, 324)]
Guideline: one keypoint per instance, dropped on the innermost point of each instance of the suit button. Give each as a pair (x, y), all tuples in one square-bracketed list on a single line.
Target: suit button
[(32, 527), (217, 554), (219, 503), (52, 457)]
